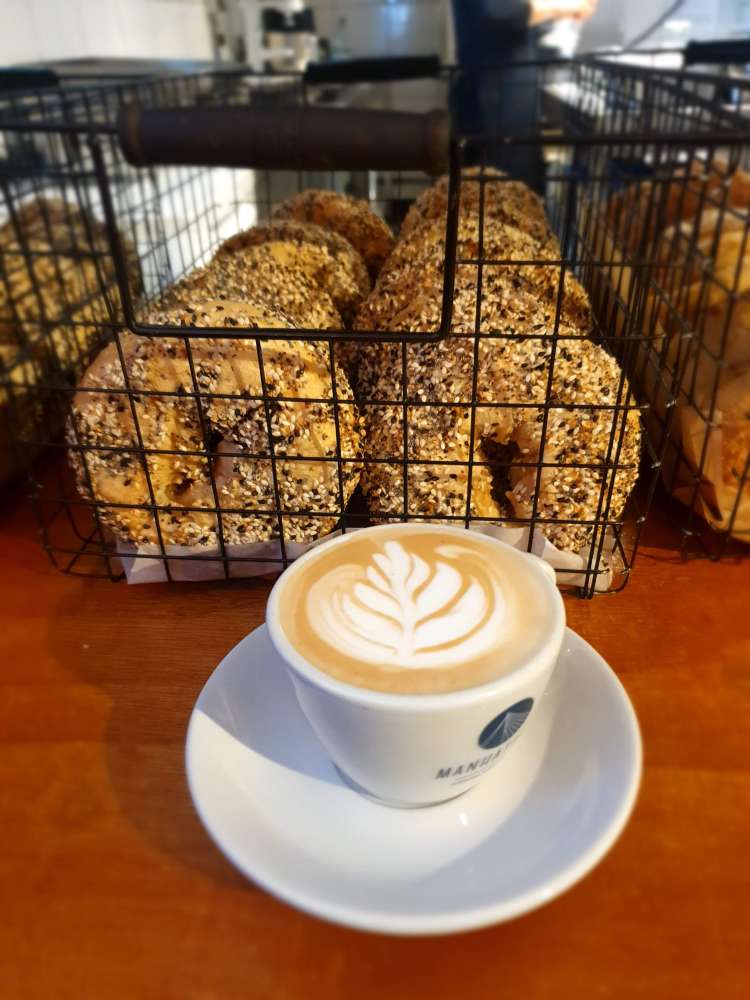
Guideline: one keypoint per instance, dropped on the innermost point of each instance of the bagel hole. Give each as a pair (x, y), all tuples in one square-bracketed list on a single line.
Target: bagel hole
[(501, 458), (214, 440), (178, 489), (204, 468)]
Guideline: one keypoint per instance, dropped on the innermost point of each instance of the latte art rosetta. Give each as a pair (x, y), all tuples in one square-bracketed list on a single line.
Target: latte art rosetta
[(414, 609), (404, 610)]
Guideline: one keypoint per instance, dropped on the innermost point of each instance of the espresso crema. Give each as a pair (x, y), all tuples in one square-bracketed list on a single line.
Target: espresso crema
[(422, 611)]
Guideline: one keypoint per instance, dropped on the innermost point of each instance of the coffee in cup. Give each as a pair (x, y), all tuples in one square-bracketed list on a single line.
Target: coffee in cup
[(414, 612)]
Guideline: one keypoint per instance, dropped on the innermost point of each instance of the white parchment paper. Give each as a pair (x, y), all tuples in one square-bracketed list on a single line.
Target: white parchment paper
[(143, 564)]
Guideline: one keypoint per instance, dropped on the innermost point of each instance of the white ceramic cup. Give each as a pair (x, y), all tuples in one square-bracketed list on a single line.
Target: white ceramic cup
[(420, 749)]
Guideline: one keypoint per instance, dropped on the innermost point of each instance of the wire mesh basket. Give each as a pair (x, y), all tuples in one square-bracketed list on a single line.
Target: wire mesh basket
[(676, 225), (93, 244)]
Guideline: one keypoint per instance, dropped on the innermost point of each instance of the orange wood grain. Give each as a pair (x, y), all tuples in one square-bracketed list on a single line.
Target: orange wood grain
[(110, 887)]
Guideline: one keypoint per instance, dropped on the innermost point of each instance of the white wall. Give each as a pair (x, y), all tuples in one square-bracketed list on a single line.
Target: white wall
[(63, 29), (617, 23)]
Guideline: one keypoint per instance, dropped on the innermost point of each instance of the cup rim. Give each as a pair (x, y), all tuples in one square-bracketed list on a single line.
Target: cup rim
[(370, 698)]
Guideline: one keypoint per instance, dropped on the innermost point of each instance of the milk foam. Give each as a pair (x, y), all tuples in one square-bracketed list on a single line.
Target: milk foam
[(402, 611)]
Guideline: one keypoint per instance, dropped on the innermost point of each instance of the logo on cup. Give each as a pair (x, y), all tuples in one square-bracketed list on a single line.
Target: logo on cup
[(505, 725)]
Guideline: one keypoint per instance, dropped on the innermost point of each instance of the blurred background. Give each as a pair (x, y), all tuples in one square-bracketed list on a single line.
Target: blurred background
[(233, 30)]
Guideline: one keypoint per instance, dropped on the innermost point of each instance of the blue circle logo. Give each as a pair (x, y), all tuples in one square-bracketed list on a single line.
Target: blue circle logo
[(505, 725)]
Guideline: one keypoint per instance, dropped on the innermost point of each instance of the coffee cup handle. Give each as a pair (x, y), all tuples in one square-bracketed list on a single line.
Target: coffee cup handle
[(549, 570)]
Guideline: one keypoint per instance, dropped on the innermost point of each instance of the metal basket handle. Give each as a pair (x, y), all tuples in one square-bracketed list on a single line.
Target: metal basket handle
[(374, 70), (731, 50), (298, 138)]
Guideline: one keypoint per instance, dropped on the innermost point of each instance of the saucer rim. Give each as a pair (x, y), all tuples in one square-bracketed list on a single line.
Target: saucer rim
[(448, 922)]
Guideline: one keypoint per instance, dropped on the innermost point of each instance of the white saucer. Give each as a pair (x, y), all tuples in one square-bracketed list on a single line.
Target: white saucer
[(276, 806)]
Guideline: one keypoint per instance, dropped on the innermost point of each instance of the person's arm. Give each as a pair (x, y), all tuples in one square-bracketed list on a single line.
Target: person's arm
[(554, 10)]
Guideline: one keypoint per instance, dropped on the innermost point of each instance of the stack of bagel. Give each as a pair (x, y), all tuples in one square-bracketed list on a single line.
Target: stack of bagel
[(554, 463), (55, 263), (55, 268), (695, 354), (192, 433), (337, 414)]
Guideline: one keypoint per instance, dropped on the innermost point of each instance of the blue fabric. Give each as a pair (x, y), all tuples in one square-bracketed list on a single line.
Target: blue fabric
[(491, 96)]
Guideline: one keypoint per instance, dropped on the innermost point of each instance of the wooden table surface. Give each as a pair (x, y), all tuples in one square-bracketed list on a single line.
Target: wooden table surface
[(111, 888)]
